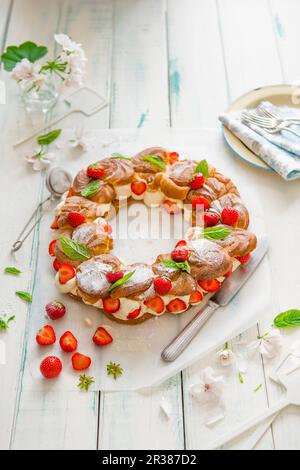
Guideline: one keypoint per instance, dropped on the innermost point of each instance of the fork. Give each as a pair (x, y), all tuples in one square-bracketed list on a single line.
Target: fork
[(267, 113), (271, 125)]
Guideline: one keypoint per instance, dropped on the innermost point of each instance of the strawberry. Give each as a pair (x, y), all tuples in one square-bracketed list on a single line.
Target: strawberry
[(51, 248), (108, 229), (55, 310), (80, 361), (102, 337), (171, 207), (229, 272), (56, 265), (243, 259), (134, 314), (176, 306), (200, 203), (71, 192), (68, 342), (95, 171), (181, 243), (173, 158), (229, 216), (138, 187), (111, 305), (156, 304), (54, 224), (210, 285), (196, 297), (114, 277), (75, 218), (180, 254), (46, 336), (210, 219), (66, 273), (197, 182), (51, 367), (162, 285)]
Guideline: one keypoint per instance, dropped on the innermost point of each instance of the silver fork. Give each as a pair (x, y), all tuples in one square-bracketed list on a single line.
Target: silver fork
[(270, 125), (289, 120)]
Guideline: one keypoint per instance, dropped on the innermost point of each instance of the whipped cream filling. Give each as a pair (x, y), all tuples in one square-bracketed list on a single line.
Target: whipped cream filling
[(65, 288), (123, 191), (153, 198)]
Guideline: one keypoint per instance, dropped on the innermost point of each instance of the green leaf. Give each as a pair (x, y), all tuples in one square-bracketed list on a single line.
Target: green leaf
[(219, 232), (183, 266), (241, 378), (85, 382), (155, 161), (73, 250), (114, 369), (46, 139), (4, 324), (28, 50), (122, 281), (202, 167), (24, 295), (258, 388), (121, 157), (288, 319), (91, 188), (13, 271)]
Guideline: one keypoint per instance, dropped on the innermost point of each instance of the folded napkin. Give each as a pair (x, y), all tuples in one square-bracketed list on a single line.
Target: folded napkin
[(281, 151)]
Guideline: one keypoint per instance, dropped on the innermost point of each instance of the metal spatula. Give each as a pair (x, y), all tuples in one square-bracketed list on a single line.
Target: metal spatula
[(84, 100)]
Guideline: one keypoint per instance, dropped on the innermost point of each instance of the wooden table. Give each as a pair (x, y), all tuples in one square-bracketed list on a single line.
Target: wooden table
[(161, 63)]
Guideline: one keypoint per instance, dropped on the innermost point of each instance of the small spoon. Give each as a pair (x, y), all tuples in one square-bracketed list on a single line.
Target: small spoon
[(58, 181)]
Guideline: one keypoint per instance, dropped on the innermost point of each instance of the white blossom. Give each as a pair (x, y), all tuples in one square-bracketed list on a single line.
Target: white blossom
[(225, 357), (209, 389), (83, 139), (28, 74), (40, 159), (269, 344)]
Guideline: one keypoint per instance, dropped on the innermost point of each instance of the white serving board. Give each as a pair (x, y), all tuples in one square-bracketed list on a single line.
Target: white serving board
[(137, 348)]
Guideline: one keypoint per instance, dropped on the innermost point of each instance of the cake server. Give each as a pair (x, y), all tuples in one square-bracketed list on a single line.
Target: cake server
[(221, 298)]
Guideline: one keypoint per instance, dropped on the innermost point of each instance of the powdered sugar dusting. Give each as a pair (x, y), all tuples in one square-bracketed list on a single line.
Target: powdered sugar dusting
[(91, 277)]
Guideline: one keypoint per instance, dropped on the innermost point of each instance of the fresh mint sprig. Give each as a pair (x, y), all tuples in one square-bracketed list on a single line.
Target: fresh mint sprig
[(47, 139), (12, 270), (121, 281), (73, 250), (183, 266), (156, 161), (288, 319), (4, 324), (24, 295)]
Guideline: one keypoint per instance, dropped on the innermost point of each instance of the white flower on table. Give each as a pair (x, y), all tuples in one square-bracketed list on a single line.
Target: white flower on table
[(83, 139), (269, 344), (225, 356), (73, 61), (40, 159), (209, 389), (28, 74)]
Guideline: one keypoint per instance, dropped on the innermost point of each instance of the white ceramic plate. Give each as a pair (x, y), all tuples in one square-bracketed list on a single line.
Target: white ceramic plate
[(280, 95)]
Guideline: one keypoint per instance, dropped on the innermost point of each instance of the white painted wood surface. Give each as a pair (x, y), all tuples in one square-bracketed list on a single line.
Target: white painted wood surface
[(160, 63)]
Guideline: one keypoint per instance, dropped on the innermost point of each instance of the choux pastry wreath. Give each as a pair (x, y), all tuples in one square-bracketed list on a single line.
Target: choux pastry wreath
[(198, 265)]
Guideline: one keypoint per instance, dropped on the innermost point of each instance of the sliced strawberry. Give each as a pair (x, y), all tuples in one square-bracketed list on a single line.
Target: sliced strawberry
[(51, 367), (156, 304), (102, 337), (108, 229), (56, 265), (229, 272), (80, 361), (171, 207), (138, 187), (95, 171), (76, 218), (68, 342), (134, 314), (180, 254), (114, 277), (173, 158), (54, 224), (111, 305), (176, 306), (46, 336), (162, 285), (200, 203), (181, 243), (196, 297), (66, 273), (51, 248), (244, 259), (210, 285), (71, 192), (229, 216), (197, 182), (210, 219), (55, 310)]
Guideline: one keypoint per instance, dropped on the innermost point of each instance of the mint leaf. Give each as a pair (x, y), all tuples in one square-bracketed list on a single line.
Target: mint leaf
[(91, 188), (46, 139), (183, 266), (288, 319), (13, 271), (24, 295), (28, 50), (73, 250), (122, 281), (202, 167), (121, 157), (4, 324), (155, 161), (216, 233)]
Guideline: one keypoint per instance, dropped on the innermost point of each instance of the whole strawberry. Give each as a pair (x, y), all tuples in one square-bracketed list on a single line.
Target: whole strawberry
[(229, 216), (51, 367), (55, 310), (197, 182), (114, 277), (76, 218), (95, 171), (162, 285)]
